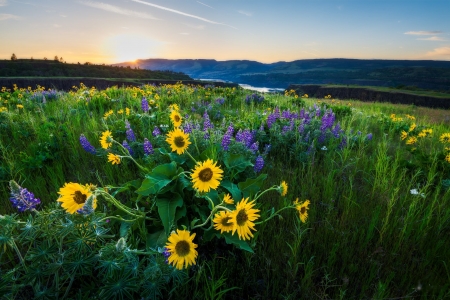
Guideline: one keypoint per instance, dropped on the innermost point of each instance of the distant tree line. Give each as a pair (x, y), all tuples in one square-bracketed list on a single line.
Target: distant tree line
[(58, 68)]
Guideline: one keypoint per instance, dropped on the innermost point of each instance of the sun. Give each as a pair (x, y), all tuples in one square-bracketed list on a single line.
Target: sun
[(129, 47)]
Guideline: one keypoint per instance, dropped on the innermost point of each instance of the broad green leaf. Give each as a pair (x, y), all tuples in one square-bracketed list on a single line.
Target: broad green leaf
[(237, 162), (167, 208), (214, 196), (180, 159), (157, 239), (180, 212), (233, 189), (124, 227), (156, 180), (234, 239), (251, 186)]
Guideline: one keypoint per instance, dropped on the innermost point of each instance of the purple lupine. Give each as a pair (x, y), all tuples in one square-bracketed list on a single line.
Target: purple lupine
[(285, 130), (322, 138), (126, 146), (187, 128), (21, 198), (336, 130), (130, 133), (272, 118), (207, 122), (246, 137), (302, 113), (166, 254), (259, 164), (369, 137), (327, 120), (88, 207), (343, 143), (156, 131), (86, 145), (148, 148), (226, 140), (220, 101), (254, 147), (144, 104), (301, 127)]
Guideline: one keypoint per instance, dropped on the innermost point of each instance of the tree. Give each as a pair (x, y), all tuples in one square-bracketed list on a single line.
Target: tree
[(45, 58), (13, 57), (56, 58)]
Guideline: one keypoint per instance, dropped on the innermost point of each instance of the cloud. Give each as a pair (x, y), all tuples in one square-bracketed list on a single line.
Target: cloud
[(433, 38), (4, 17), (246, 13), (117, 10), (184, 33), (205, 4), (181, 13), (3, 2), (423, 32), (56, 25), (442, 52)]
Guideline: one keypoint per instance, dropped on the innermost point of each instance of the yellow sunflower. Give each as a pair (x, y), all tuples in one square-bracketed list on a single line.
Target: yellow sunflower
[(411, 141), (447, 158), (182, 249), (223, 221), (412, 127), (106, 139), (227, 199), (114, 159), (178, 140), (302, 209), (74, 195), (404, 135), (176, 118), (284, 188), (174, 107), (206, 176), (243, 217), (445, 138)]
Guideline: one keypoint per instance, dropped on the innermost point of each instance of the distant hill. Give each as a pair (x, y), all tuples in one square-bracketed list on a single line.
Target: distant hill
[(425, 74), (52, 68)]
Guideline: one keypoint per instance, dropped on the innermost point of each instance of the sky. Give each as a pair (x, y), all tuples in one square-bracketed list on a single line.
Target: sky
[(114, 31)]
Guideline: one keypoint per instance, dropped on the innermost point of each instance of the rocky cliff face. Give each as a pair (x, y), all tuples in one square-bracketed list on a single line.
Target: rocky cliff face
[(370, 95)]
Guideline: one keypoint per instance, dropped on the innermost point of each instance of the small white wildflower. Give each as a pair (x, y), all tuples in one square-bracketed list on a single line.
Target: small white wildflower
[(414, 192), (324, 148)]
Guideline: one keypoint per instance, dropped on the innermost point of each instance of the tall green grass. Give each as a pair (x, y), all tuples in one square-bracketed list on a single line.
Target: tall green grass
[(367, 236)]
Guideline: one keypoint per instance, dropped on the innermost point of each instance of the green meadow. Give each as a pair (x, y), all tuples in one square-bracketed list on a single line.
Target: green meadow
[(191, 192)]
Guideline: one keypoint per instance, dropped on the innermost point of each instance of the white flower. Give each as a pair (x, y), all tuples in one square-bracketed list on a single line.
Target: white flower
[(414, 192), (324, 148)]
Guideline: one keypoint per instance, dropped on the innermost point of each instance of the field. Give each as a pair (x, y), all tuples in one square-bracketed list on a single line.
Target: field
[(190, 192)]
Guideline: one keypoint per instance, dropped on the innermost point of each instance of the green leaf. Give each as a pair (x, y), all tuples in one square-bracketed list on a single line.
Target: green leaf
[(157, 239), (167, 208), (124, 227), (233, 189), (237, 162), (210, 153), (234, 239), (180, 159), (127, 186), (160, 177), (251, 186)]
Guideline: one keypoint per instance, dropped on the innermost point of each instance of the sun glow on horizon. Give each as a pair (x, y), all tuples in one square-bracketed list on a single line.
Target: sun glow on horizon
[(129, 48)]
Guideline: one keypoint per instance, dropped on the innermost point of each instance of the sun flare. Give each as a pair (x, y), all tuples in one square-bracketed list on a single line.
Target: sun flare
[(129, 47)]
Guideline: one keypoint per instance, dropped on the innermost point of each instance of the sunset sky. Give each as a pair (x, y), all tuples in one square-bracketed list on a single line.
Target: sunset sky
[(112, 31)]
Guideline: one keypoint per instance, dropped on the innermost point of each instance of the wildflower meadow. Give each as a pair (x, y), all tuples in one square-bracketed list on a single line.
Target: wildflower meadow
[(202, 192)]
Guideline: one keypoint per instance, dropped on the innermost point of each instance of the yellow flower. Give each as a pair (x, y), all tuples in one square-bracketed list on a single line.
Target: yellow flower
[(428, 130), (19, 106), (284, 188), (114, 159), (176, 118), (106, 139), (411, 141), (412, 127), (107, 114), (120, 111), (74, 195), (206, 176), (392, 116), (127, 111), (2, 109), (227, 199), (174, 107), (243, 218), (178, 140), (182, 249), (223, 221), (447, 158), (422, 134), (404, 135), (302, 209), (410, 117), (445, 138)]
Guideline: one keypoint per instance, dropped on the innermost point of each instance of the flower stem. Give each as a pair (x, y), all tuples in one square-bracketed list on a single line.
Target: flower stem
[(187, 152), (275, 187), (275, 214)]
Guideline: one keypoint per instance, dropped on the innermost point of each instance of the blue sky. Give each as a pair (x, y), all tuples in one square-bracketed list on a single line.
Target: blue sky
[(112, 31)]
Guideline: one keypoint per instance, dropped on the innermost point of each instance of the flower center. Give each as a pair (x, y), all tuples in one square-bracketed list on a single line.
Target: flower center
[(225, 221), (177, 118), (205, 175), (79, 197), (302, 210), (241, 217), (179, 141), (182, 248)]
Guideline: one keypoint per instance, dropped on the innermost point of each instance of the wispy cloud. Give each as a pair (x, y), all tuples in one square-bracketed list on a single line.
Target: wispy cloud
[(117, 10), (246, 13), (424, 32), (4, 17), (181, 13), (32, 4), (204, 4), (433, 38), (184, 33), (442, 52), (3, 2), (200, 27)]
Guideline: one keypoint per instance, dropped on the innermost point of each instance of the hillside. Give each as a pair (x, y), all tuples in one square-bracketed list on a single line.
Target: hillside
[(48, 68), (425, 74)]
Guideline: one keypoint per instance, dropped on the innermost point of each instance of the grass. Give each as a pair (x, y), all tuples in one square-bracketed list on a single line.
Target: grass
[(395, 90), (367, 235)]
